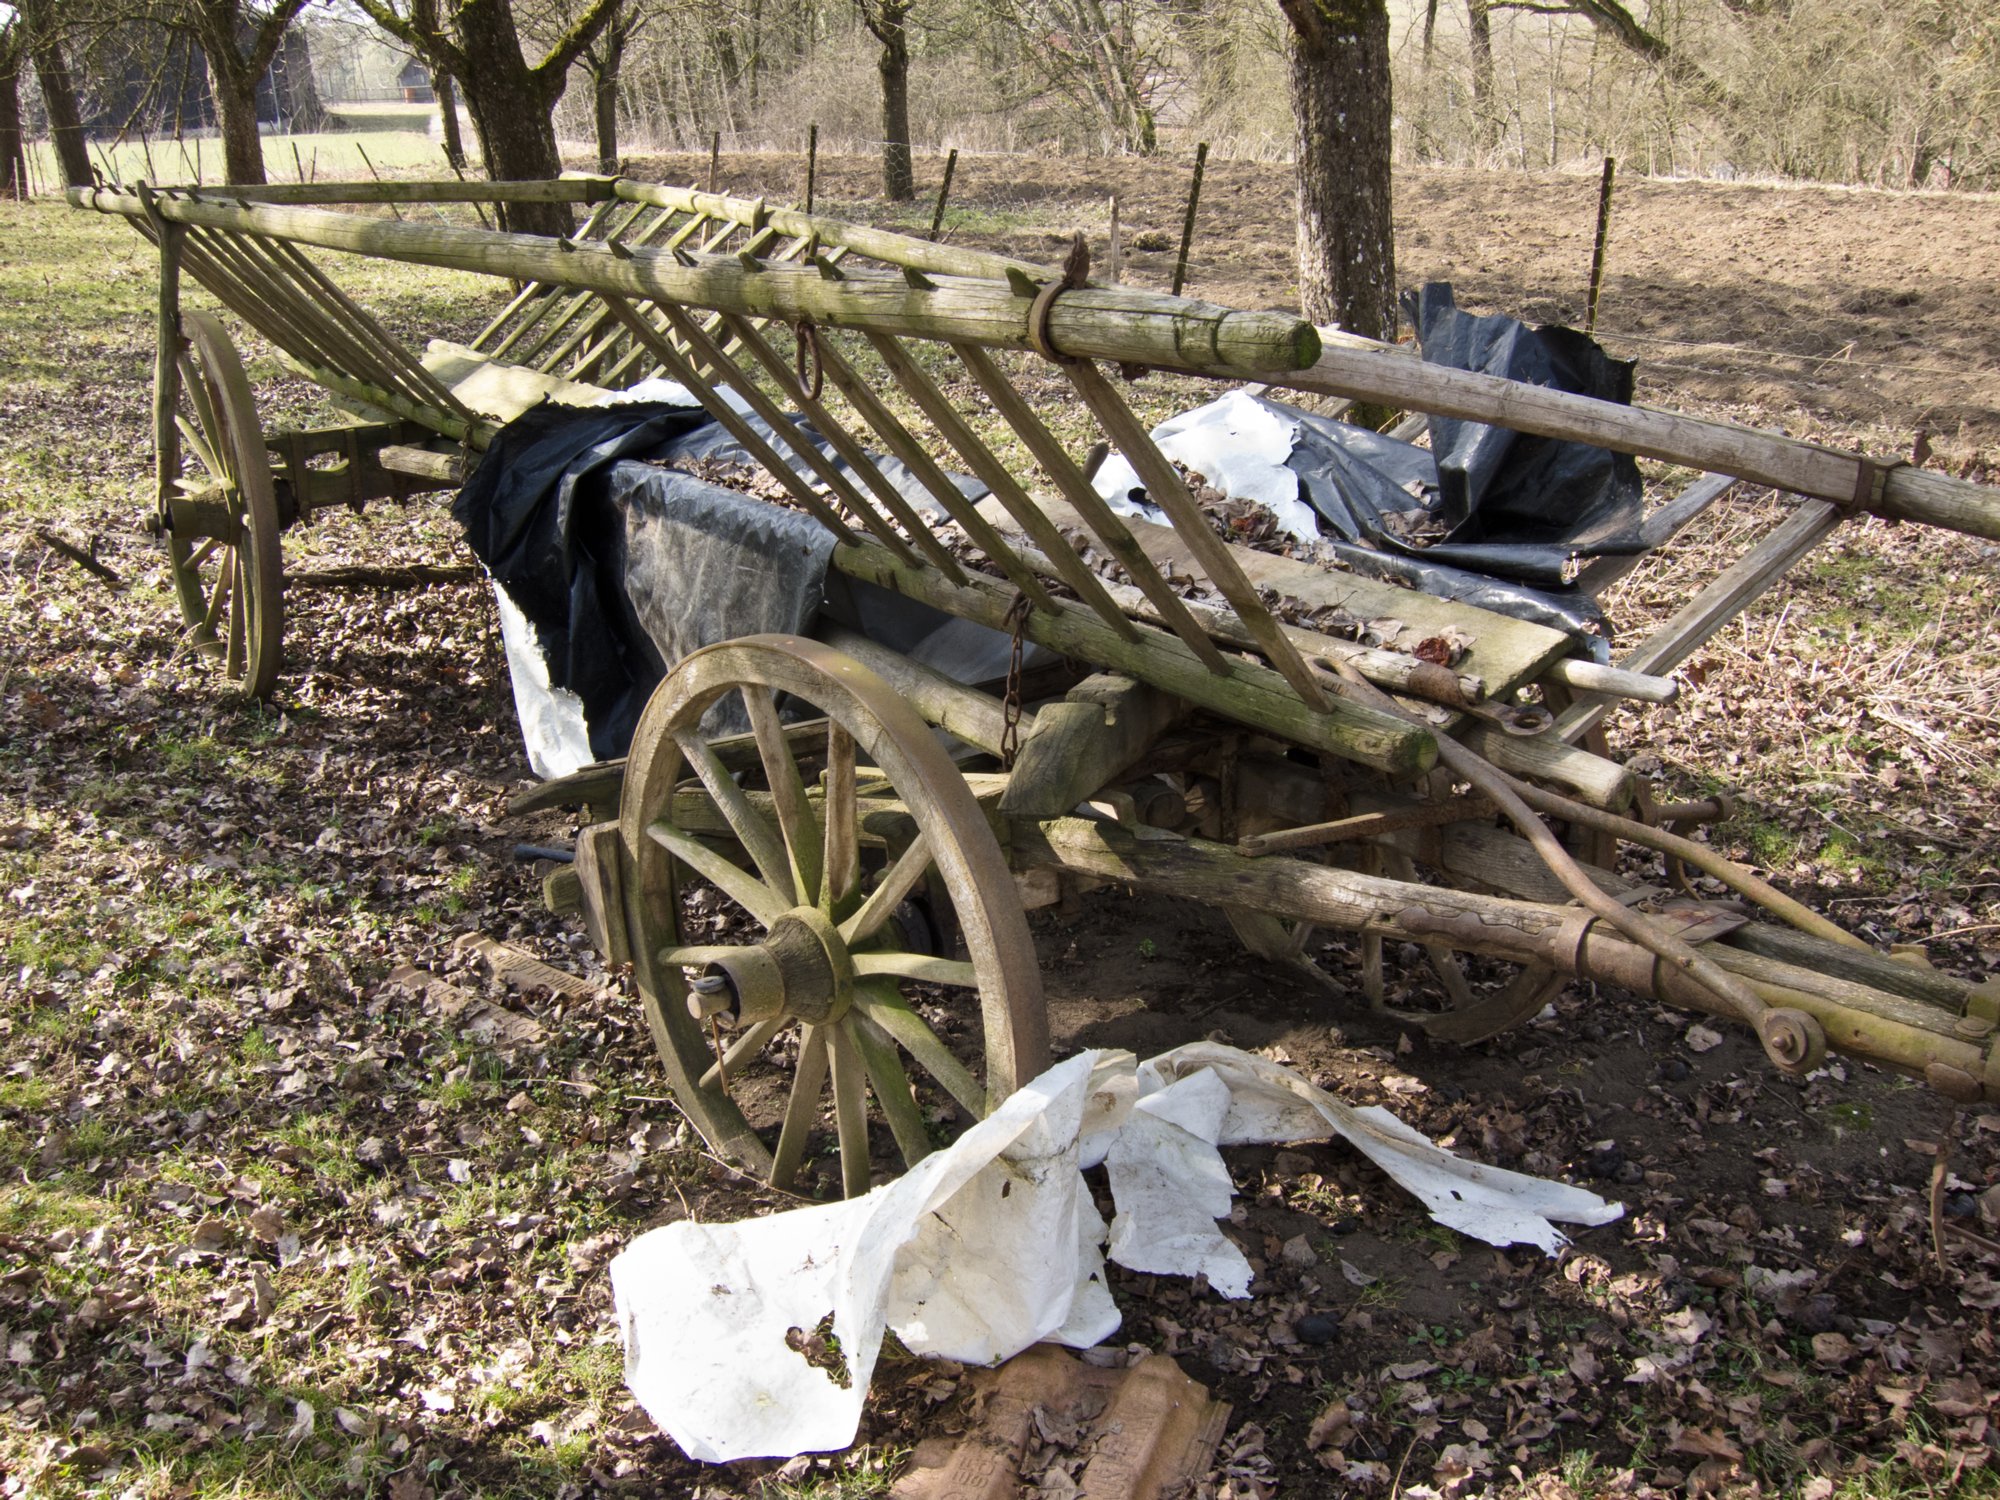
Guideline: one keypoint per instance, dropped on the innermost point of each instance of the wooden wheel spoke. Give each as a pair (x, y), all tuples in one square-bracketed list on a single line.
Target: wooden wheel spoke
[(202, 401), (918, 966), (897, 882), (218, 600), (740, 1051), (788, 793), (204, 552), (802, 1108), (755, 897), (204, 455), (843, 828), (850, 1109), (880, 1002), (232, 665), (765, 844), (891, 1087)]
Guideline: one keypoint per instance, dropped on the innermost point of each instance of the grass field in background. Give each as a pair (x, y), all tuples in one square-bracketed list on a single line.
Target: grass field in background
[(389, 138)]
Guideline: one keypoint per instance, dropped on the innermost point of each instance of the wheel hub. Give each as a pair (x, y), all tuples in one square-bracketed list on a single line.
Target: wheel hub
[(801, 970)]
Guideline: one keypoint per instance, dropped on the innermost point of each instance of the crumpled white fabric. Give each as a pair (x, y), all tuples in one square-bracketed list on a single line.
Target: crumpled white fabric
[(994, 1243)]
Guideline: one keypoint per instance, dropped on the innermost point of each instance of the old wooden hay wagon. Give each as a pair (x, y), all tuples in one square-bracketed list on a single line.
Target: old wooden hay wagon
[(879, 832)]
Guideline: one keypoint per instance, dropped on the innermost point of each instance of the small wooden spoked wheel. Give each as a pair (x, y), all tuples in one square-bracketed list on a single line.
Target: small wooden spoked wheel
[(220, 514), (817, 851)]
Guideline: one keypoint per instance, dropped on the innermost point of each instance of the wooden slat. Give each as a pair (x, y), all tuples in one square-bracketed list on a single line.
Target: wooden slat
[(366, 329), (931, 401), (1166, 489), (1725, 597), (569, 309), (703, 348), (1101, 521), (899, 441), (1656, 531), (308, 330), (748, 336), (1505, 653), (742, 431), (534, 289), (711, 322), (1250, 693)]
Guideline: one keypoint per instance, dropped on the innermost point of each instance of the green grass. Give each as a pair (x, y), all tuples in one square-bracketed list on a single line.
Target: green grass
[(393, 137)]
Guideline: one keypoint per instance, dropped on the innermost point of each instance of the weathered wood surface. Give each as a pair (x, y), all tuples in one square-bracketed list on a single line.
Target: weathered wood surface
[(1358, 367), (1247, 693), (1505, 653), (1088, 323), (577, 188), (877, 244), (498, 391)]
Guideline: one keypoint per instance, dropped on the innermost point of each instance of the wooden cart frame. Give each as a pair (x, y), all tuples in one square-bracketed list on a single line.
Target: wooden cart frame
[(1220, 747)]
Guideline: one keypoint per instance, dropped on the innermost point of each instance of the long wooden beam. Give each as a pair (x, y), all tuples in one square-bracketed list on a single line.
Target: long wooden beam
[(572, 189), (877, 244), (1089, 323), (1248, 693), (1371, 371)]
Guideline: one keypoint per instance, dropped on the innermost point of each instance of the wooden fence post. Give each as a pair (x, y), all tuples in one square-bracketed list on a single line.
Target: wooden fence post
[(1603, 234), (944, 192), (812, 162), (1187, 225)]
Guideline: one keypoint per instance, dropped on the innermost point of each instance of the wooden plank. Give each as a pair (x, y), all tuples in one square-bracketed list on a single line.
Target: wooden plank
[(1390, 669), (1505, 653), (500, 392), (1725, 597), (1656, 531), (1250, 693)]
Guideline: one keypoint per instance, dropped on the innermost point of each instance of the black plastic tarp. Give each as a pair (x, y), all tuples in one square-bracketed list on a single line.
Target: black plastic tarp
[(623, 565)]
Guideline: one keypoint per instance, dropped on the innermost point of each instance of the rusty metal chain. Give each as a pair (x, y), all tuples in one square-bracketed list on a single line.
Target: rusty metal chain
[(1010, 730)]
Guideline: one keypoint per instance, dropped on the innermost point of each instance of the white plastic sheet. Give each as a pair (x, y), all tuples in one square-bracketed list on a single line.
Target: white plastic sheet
[(994, 1244)]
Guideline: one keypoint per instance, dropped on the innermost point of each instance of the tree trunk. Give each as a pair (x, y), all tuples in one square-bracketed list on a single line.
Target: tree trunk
[(58, 93), (447, 100), (13, 144), (1339, 55), (518, 143), (1479, 22), (517, 132), (236, 114), (604, 96), (898, 181)]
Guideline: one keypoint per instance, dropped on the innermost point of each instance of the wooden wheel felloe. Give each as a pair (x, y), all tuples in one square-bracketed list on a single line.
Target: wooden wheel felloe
[(813, 945), (220, 513)]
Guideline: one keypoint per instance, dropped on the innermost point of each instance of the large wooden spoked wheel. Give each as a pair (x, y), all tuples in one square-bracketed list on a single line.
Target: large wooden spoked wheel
[(222, 535), (815, 947)]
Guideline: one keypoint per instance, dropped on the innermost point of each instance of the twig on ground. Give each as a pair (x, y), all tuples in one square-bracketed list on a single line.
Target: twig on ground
[(85, 560)]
